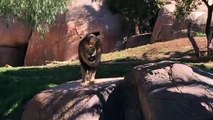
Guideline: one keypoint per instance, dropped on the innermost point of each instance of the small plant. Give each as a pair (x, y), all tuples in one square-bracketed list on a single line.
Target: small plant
[(184, 8), (139, 15), (200, 34)]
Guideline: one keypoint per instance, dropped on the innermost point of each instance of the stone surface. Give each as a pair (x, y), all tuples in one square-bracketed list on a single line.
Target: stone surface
[(61, 42), (71, 101), (172, 91), (14, 37), (13, 56), (167, 27), (137, 40), (13, 34)]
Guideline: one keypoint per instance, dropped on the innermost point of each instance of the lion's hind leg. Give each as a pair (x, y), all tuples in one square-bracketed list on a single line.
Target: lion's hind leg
[(83, 75)]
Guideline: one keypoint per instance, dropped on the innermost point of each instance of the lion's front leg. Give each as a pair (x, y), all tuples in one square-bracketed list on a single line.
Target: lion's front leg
[(85, 77), (92, 74)]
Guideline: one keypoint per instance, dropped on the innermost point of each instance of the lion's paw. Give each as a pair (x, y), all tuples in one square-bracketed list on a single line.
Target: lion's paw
[(91, 82), (85, 83)]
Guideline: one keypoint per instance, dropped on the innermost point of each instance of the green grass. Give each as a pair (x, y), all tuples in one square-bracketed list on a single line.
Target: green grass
[(19, 84), (200, 34)]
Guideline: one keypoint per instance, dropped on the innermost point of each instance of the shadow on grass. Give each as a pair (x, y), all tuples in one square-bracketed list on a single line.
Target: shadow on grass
[(147, 58)]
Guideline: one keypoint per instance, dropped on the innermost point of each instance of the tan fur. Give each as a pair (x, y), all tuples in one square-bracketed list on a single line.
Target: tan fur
[(89, 52)]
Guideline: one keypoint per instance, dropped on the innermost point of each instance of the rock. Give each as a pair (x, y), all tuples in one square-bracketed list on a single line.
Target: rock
[(13, 34), (130, 103), (199, 24), (167, 27), (165, 18), (61, 42), (13, 56), (71, 101), (137, 40), (14, 37), (171, 91)]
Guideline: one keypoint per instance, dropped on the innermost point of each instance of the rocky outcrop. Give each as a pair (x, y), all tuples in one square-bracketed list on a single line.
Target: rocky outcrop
[(172, 91), (13, 33), (105, 100), (61, 42), (167, 27), (14, 37), (137, 40)]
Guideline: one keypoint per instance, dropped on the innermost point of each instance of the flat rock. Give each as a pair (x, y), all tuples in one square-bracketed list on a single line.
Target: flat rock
[(71, 101)]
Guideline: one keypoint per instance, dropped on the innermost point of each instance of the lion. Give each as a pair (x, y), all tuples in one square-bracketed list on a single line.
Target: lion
[(89, 52)]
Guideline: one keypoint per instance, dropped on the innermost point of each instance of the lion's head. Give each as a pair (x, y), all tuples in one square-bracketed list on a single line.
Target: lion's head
[(90, 49)]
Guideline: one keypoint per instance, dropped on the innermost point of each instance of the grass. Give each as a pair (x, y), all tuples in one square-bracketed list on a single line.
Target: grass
[(200, 34), (19, 84)]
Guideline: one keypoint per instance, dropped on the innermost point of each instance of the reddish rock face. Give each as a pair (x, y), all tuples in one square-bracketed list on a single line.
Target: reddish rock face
[(13, 56), (62, 41), (13, 34)]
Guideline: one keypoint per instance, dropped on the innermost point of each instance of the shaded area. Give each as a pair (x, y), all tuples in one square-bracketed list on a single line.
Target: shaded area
[(187, 106), (109, 99), (122, 104), (209, 69), (13, 56), (152, 56), (17, 86)]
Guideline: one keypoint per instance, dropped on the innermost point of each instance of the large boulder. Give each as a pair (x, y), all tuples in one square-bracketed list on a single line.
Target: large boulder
[(167, 27), (14, 37), (172, 91), (137, 40), (13, 33), (61, 42), (71, 101), (13, 56)]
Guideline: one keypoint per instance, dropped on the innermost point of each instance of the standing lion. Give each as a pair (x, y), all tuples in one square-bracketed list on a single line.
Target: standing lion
[(89, 52)]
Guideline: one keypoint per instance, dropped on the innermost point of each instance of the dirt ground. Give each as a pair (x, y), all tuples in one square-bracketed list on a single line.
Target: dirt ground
[(177, 48), (180, 43)]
